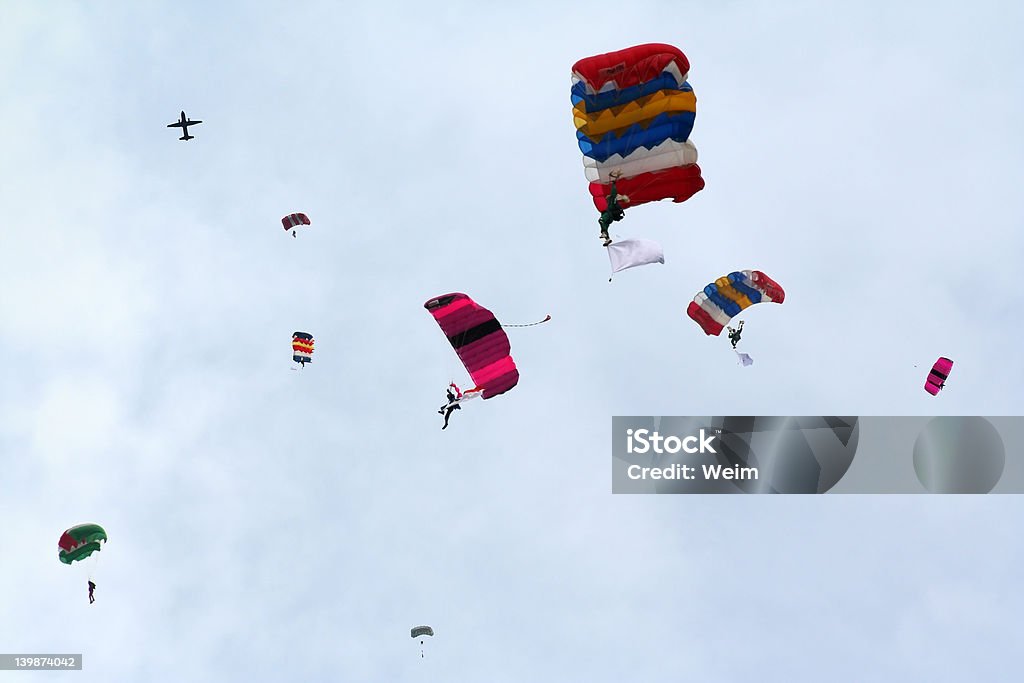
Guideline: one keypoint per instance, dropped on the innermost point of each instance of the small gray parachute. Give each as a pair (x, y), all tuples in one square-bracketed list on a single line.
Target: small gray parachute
[(422, 631)]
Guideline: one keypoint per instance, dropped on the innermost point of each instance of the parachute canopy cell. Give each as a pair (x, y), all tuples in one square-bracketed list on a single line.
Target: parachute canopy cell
[(422, 631), (79, 542), (302, 347), (937, 377), (477, 337), (634, 111), (294, 219), (716, 304)]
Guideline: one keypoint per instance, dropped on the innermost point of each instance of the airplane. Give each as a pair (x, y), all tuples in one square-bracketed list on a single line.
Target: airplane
[(184, 123)]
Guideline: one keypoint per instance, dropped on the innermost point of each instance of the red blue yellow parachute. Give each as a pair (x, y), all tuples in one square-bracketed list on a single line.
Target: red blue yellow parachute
[(477, 337), (79, 542), (302, 347), (634, 110), (714, 306)]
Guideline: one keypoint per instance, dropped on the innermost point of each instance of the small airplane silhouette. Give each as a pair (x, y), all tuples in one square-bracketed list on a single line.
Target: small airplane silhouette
[(184, 123)]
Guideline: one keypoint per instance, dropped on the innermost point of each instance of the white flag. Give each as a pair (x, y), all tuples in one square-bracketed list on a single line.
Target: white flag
[(632, 252), (745, 359)]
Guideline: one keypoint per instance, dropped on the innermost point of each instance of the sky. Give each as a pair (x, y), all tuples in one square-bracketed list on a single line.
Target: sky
[(268, 524)]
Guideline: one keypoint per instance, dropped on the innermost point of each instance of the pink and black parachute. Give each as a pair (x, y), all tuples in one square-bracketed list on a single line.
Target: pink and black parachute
[(295, 219), (937, 377), (477, 337)]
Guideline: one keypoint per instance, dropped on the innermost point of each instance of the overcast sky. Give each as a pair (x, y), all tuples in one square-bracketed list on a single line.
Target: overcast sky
[(276, 525)]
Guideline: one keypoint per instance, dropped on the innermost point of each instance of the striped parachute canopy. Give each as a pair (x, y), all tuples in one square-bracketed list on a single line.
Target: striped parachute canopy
[(634, 110), (422, 631), (294, 219), (477, 337), (302, 347), (937, 377), (79, 542), (724, 298)]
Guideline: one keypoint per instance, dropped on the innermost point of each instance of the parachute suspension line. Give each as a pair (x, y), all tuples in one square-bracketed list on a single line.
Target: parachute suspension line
[(539, 322)]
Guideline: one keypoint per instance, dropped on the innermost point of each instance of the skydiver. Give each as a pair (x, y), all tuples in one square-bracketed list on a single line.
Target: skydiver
[(734, 335), (293, 233), (452, 404), (612, 212), (92, 587)]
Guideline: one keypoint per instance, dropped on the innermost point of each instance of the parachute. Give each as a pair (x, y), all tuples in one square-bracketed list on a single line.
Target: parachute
[(724, 298), (79, 542), (419, 631), (302, 347), (937, 377), (477, 337), (634, 111), (293, 220)]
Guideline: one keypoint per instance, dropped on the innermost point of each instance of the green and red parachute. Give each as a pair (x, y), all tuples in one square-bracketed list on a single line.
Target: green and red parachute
[(477, 337), (79, 542)]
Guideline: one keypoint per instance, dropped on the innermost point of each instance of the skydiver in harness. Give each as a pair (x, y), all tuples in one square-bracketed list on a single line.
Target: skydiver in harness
[(612, 212), (734, 335), (453, 403), (293, 233), (92, 587)]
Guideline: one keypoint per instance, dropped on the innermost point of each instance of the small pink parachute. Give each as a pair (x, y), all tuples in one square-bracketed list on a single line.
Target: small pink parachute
[(292, 220), (937, 377)]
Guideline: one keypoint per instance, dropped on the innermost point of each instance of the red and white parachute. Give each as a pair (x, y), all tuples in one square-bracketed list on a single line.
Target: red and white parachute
[(292, 220)]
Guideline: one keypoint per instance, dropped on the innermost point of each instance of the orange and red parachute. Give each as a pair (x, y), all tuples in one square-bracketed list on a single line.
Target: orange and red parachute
[(477, 337), (634, 110)]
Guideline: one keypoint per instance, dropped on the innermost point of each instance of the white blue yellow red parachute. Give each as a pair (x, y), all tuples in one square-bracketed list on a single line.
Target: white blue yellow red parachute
[(714, 306), (634, 110)]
